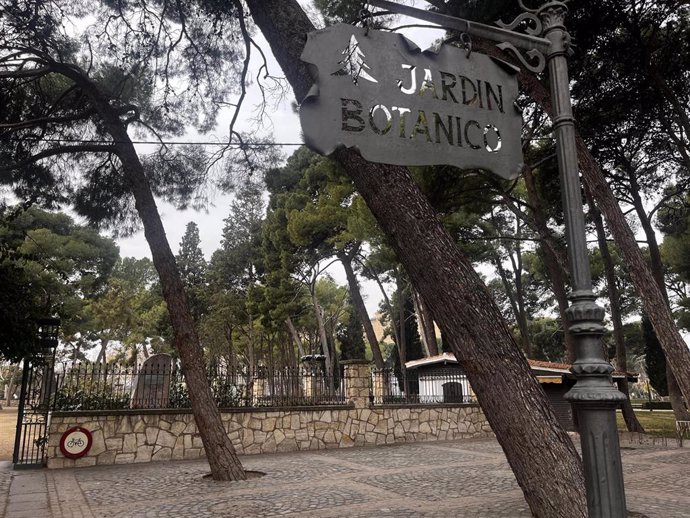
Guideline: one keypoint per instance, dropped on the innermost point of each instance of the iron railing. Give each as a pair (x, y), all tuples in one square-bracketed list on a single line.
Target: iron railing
[(430, 386), (100, 386)]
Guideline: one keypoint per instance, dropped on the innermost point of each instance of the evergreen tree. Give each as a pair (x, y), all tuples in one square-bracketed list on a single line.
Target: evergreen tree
[(238, 263), (190, 258), (351, 336), (193, 270), (49, 267)]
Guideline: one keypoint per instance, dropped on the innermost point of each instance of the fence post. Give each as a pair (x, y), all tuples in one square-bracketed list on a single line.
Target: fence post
[(357, 377)]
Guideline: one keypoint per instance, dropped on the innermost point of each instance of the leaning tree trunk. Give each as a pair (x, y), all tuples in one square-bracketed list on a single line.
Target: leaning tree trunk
[(325, 348), (657, 267), (673, 345), (516, 407), (554, 264), (631, 421), (358, 303), (653, 300), (295, 336), (426, 322), (223, 460)]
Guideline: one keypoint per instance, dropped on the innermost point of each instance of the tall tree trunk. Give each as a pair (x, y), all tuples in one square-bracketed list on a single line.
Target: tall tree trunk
[(101, 353), (295, 336), (555, 266), (631, 421), (386, 301), (426, 322), (657, 266), (513, 299), (11, 386), (318, 312), (402, 344), (515, 405), (223, 460), (675, 348), (361, 309)]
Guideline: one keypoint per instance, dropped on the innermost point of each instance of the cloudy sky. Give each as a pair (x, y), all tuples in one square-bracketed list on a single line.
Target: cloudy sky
[(286, 129)]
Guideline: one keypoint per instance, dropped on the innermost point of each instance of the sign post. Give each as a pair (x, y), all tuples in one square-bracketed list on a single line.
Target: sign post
[(370, 114)]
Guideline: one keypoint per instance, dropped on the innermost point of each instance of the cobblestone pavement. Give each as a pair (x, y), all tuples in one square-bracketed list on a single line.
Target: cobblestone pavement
[(469, 478)]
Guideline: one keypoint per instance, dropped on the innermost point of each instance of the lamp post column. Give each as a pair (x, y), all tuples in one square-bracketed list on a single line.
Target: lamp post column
[(594, 397)]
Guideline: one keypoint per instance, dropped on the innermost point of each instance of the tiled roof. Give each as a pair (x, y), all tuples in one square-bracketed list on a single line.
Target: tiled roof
[(534, 364), (548, 365)]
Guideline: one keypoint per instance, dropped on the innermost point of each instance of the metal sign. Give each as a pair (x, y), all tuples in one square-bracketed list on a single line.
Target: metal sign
[(378, 92), (76, 442)]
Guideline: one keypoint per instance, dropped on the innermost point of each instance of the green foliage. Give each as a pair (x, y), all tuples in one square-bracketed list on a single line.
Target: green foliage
[(179, 394), (49, 266), (231, 326), (89, 393), (190, 258), (193, 270), (131, 310), (225, 393), (161, 67), (546, 336)]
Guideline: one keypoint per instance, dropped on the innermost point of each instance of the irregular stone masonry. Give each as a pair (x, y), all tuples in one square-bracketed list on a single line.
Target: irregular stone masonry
[(125, 437), (129, 437)]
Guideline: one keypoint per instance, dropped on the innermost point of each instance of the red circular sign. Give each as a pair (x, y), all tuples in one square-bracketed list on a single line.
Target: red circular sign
[(75, 442)]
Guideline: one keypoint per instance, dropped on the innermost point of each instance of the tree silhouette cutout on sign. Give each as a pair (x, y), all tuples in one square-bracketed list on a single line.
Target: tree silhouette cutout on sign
[(353, 63)]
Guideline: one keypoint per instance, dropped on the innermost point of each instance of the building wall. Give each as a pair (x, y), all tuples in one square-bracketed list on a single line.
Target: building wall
[(124, 437)]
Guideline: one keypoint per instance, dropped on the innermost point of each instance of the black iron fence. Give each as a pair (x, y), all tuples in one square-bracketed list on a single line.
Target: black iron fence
[(99, 386), (428, 386)]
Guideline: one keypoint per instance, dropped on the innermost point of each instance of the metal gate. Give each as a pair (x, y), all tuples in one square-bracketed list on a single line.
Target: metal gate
[(38, 384)]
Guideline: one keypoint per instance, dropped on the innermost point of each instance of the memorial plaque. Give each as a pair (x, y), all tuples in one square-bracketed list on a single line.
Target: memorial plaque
[(152, 388), (378, 92)]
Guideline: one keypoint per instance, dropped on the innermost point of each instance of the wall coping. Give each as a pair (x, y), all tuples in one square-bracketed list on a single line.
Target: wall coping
[(227, 410), (426, 405), (238, 410)]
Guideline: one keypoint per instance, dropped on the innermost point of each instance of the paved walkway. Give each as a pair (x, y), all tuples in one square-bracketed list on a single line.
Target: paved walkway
[(434, 479)]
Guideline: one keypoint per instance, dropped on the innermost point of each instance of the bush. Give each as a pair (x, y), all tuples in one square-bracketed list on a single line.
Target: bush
[(179, 395), (70, 399)]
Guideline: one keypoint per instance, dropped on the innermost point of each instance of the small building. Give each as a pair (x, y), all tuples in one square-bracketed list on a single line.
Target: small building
[(442, 374)]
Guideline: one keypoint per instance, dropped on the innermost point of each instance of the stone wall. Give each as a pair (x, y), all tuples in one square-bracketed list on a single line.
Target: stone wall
[(128, 437)]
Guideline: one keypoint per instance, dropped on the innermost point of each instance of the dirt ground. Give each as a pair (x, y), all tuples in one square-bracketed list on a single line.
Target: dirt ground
[(8, 425)]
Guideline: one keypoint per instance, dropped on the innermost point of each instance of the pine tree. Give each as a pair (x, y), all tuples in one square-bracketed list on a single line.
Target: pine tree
[(353, 64)]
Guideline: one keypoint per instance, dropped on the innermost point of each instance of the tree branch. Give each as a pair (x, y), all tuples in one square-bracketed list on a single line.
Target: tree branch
[(62, 150)]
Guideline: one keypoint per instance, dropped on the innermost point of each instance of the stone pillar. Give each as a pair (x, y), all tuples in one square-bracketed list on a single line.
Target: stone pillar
[(357, 378)]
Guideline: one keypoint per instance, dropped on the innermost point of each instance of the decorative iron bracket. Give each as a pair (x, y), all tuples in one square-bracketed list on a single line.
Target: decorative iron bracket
[(534, 45), (533, 54)]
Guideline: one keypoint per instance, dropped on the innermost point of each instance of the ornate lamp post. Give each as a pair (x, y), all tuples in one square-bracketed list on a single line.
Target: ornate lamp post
[(594, 396)]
